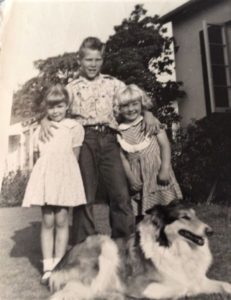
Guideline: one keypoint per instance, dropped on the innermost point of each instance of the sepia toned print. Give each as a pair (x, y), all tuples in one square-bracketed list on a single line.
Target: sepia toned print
[(178, 52)]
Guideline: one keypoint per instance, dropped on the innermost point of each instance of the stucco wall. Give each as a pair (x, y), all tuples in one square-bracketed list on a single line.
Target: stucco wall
[(188, 57)]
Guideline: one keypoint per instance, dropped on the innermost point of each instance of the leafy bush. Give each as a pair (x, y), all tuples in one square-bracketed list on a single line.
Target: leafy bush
[(201, 159), (13, 188)]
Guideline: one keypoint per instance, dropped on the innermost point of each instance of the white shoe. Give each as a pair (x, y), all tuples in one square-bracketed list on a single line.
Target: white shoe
[(45, 278)]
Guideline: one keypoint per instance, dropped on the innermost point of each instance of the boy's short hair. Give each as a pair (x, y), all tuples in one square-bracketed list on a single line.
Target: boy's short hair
[(92, 43), (56, 94)]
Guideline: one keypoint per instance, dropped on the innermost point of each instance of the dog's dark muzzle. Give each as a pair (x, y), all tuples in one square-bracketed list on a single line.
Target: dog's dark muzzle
[(192, 237)]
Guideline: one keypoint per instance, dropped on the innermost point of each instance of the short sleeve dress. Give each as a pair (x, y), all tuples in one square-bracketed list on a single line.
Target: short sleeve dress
[(55, 178), (144, 158)]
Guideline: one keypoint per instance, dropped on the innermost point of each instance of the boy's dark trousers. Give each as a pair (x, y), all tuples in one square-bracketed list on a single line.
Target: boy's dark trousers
[(100, 162)]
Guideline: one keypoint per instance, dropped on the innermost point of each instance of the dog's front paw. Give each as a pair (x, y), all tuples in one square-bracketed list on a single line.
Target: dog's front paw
[(56, 282), (57, 296), (63, 295), (227, 287), (113, 296), (117, 297)]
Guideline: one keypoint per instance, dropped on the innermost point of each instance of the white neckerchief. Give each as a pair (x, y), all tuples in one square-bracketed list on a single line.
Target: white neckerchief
[(125, 126), (132, 148)]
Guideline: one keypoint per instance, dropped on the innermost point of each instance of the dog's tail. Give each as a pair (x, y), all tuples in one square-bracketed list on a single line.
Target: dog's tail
[(109, 262), (106, 279)]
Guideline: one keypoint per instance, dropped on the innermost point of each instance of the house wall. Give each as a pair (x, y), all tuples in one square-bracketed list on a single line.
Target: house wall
[(13, 157), (20, 148), (188, 57)]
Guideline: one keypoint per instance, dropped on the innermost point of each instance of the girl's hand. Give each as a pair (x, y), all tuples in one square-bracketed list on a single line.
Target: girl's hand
[(135, 184), (45, 132), (163, 177), (151, 124)]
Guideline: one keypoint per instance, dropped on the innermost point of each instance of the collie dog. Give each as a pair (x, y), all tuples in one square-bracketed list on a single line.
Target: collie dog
[(167, 257)]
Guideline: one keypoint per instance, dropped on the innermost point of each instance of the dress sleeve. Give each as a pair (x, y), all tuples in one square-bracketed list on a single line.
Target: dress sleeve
[(77, 135)]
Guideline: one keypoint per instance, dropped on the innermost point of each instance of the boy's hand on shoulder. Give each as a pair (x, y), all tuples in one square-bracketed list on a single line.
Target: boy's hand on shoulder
[(46, 130), (151, 124)]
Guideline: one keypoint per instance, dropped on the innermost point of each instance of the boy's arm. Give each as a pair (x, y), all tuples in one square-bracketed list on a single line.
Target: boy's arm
[(151, 124), (165, 154), (135, 184)]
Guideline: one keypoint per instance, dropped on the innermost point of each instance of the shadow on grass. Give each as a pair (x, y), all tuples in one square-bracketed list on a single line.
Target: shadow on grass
[(27, 244)]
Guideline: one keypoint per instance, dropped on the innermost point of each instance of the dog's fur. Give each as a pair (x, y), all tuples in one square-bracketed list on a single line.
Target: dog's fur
[(167, 257)]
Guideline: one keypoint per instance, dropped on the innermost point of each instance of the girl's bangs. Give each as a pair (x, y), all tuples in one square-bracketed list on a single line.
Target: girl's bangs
[(51, 101), (129, 97)]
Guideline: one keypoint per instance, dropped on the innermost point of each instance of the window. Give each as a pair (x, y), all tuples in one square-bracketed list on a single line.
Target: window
[(216, 66)]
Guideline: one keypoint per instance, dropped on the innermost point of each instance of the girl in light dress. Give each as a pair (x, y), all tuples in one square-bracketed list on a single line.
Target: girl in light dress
[(147, 160), (55, 183)]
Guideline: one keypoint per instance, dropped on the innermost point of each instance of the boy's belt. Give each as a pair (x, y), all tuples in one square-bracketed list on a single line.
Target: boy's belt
[(100, 128)]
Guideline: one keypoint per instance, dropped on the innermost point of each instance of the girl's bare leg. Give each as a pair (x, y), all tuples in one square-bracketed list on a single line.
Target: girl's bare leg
[(62, 233), (47, 241), (47, 232)]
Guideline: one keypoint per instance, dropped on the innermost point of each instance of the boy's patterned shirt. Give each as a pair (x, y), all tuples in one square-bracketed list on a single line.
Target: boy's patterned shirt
[(92, 102)]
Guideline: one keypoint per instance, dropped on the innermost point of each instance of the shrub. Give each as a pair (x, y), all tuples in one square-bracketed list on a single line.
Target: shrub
[(13, 188), (201, 159)]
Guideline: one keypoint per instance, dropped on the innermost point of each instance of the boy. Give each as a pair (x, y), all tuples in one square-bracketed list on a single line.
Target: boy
[(100, 163)]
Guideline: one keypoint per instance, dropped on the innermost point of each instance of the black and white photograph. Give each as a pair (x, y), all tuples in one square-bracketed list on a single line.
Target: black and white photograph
[(115, 165)]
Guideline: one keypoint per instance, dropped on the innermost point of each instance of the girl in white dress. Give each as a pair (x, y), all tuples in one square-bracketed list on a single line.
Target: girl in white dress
[(55, 183), (147, 160)]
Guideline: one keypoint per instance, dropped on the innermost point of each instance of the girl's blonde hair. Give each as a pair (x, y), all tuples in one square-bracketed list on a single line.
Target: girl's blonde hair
[(131, 93), (56, 93)]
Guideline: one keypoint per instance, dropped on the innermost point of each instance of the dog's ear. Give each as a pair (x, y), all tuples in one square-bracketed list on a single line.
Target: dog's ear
[(175, 203), (165, 214), (158, 217), (156, 214), (153, 209), (160, 207)]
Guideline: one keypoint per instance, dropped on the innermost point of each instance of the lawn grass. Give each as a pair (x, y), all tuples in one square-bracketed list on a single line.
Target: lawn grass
[(20, 254)]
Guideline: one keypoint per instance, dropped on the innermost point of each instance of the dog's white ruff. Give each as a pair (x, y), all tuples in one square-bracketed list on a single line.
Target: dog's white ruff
[(181, 267)]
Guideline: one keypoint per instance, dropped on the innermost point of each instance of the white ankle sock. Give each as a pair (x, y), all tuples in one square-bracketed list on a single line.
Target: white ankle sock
[(48, 264)]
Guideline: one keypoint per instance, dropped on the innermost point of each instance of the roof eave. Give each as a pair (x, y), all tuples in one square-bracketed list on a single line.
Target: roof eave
[(184, 9)]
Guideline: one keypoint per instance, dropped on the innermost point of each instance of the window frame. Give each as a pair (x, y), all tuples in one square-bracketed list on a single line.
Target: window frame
[(211, 85)]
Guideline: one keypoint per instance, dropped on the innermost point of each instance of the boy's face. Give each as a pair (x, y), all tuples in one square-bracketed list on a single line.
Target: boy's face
[(91, 63)]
